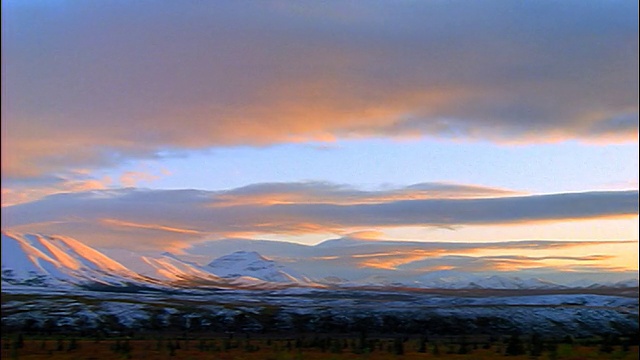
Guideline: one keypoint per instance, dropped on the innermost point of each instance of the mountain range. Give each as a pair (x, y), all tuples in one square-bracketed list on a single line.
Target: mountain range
[(47, 261)]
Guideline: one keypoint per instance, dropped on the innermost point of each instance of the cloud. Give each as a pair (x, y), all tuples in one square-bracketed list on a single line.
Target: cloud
[(121, 80), (329, 193), (131, 178), (153, 217), (366, 235), (501, 262), (18, 192), (418, 257), (151, 227)]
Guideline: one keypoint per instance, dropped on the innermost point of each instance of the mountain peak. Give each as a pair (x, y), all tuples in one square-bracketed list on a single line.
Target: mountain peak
[(252, 264), (249, 255), (240, 257)]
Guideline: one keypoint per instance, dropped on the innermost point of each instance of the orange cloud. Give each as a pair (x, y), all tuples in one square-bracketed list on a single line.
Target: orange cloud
[(366, 234), (27, 193), (509, 263), (77, 180), (131, 178), (151, 227), (326, 193), (391, 260)]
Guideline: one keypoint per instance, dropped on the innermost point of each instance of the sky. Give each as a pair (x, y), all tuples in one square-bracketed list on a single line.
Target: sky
[(168, 125)]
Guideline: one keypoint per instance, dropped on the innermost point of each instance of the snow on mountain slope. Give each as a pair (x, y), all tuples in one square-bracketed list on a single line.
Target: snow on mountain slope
[(445, 279), (629, 283), (169, 267), (503, 282), (22, 262), (458, 280), (40, 260), (164, 267), (90, 257), (251, 264)]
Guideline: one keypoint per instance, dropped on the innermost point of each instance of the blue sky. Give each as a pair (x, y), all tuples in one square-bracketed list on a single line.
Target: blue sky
[(540, 168)]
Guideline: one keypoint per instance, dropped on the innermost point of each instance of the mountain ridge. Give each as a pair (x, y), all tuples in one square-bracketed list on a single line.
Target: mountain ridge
[(252, 264), (44, 260)]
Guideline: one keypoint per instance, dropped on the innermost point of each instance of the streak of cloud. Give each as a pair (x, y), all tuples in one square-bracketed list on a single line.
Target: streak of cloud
[(500, 263), (329, 193), (149, 212), (26, 191)]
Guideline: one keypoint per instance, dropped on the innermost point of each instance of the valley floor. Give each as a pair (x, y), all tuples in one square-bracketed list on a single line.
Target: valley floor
[(582, 314)]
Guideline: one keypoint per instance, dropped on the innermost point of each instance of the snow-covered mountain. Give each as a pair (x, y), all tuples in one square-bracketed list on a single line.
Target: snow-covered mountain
[(168, 267), (57, 260), (503, 282), (250, 264), (629, 283), (456, 280), (42, 260), (39, 260), (45, 265), (160, 266)]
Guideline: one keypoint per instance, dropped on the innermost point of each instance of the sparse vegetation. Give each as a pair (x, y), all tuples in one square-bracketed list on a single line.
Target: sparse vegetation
[(317, 346), (195, 327)]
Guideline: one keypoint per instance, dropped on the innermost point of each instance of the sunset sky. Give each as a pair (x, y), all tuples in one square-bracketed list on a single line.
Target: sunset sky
[(165, 125)]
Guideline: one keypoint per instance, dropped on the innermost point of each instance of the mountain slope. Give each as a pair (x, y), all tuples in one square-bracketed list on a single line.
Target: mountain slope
[(251, 264), (41, 260), (169, 267), (457, 280), (38, 260), (47, 261)]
